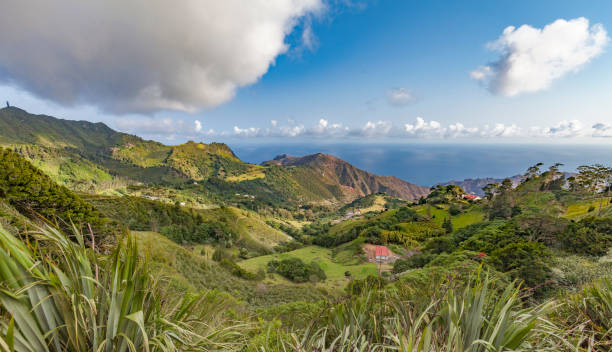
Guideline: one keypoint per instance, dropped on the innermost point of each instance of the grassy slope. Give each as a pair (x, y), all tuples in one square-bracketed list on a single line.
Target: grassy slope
[(253, 226), (248, 225), (186, 271), (472, 216), (323, 256), (578, 210)]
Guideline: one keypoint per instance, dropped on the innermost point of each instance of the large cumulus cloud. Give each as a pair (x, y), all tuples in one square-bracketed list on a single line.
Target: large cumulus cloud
[(532, 58), (143, 55)]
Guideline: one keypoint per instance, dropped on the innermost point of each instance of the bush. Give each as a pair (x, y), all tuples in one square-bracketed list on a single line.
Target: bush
[(416, 261), (296, 270), (590, 236), (454, 209), (237, 270), (219, 254), (527, 261), (439, 245), (288, 246)]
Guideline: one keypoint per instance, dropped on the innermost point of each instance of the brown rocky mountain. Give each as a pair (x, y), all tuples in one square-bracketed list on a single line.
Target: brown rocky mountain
[(353, 181)]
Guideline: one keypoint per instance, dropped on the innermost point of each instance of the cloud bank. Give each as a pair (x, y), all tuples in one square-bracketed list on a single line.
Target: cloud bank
[(532, 58), (417, 129), (144, 56)]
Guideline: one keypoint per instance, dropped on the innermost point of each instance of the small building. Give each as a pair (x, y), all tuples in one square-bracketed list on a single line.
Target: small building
[(382, 254), (471, 197)]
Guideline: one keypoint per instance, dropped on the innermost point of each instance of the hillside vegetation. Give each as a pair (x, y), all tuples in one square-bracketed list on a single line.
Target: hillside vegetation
[(93, 158), (191, 249)]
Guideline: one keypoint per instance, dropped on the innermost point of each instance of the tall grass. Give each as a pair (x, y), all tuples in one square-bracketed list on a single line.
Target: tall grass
[(587, 316), (58, 295), (477, 318)]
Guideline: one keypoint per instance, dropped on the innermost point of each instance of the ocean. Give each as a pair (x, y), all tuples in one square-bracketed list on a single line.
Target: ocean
[(428, 164)]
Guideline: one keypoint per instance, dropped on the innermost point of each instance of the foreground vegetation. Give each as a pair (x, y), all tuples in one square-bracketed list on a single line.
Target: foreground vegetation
[(74, 299)]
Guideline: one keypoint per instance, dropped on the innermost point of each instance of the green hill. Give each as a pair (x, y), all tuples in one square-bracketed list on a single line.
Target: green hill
[(93, 158), (35, 195)]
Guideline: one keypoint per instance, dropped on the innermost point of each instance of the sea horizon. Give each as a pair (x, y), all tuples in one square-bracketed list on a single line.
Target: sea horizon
[(427, 164)]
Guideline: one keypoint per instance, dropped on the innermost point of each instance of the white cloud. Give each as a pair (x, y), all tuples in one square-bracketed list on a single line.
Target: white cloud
[(501, 130), (375, 129), (400, 97), (246, 132), (565, 129), (458, 130), (309, 40), (420, 129), (273, 123), (289, 131), (602, 130), (322, 129), (532, 58), (424, 129), (150, 125), (144, 56), (198, 126)]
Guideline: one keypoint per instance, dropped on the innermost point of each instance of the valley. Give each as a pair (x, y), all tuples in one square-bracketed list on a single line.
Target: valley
[(295, 236)]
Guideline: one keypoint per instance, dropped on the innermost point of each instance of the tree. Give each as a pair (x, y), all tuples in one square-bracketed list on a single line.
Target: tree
[(491, 190), (506, 186), (523, 260), (590, 236), (595, 179), (448, 225), (439, 245), (296, 270), (551, 176), (533, 172)]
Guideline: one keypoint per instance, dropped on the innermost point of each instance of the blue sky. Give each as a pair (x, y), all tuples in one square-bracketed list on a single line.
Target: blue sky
[(343, 65)]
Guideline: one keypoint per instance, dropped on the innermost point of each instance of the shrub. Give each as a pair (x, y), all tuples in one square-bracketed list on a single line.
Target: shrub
[(454, 209), (416, 261), (288, 246), (219, 254), (296, 270), (523, 260), (439, 245), (237, 270), (590, 236)]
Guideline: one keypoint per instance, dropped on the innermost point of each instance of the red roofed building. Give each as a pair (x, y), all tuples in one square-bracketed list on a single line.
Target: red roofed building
[(471, 197), (382, 254)]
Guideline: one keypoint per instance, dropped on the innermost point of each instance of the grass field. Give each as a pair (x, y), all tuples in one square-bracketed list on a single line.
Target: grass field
[(580, 209), (379, 204), (462, 220), (322, 256), (254, 173)]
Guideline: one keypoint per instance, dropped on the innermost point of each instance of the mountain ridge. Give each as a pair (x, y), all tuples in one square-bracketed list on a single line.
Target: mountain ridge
[(359, 181), (64, 147)]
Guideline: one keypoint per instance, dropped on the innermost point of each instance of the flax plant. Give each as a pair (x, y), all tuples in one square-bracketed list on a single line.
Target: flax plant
[(58, 295)]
